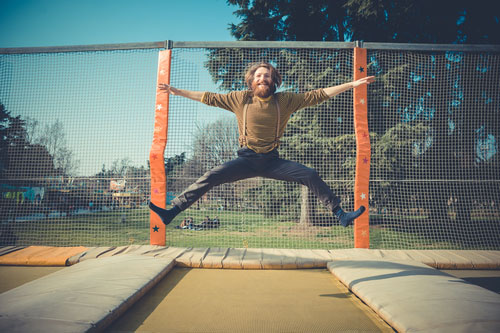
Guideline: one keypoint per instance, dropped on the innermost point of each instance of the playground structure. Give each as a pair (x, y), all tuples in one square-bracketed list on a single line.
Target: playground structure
[(420, 146)]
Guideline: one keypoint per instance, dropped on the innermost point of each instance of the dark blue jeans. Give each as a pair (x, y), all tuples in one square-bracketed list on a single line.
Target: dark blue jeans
[(250, 164)]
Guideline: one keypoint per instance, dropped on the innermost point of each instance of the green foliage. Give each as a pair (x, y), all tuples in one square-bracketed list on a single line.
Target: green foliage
[(289, 20), (276, 199), (423, 107), (52, 137), (4, 125), (401, 21), (174, 162), (21, 160), (396, 154)]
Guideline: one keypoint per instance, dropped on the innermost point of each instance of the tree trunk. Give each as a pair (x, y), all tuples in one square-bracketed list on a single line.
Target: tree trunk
[(308, 207)]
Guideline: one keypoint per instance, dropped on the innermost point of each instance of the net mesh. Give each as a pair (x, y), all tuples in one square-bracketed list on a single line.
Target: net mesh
[(260, 212), (434, 119), (76, 135), (77, 129)]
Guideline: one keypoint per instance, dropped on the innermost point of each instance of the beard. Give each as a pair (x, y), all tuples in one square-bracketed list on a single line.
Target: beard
[(262, 91)]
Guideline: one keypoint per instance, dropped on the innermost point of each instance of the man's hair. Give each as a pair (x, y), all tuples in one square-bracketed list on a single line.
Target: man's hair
[(275, 75)]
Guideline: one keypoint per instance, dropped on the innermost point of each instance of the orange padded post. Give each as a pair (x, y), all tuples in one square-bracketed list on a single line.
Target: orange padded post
[(361, 184), (156, 155)]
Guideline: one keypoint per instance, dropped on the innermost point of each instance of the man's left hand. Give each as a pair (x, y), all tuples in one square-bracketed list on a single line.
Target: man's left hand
[(365, 80)]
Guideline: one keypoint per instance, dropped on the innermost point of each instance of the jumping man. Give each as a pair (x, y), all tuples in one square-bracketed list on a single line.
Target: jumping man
[(262, 116)]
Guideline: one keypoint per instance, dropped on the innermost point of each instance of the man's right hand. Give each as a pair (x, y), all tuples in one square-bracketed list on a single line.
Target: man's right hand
[(168, 89)]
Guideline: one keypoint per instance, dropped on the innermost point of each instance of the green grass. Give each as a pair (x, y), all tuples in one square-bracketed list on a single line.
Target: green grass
[(97, 229), (238, 229), (392, 240)]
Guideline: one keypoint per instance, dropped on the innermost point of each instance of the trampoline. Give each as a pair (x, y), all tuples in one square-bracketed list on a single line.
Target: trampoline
[(420, 187), (162, 289), (215, 300)]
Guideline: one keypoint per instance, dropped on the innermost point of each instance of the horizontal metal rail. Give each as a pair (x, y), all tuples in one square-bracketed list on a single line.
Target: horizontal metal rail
[(168, 44), (432, 47), (265, 45), (91, 178), (436, 180), (85, 48), (342, 45)]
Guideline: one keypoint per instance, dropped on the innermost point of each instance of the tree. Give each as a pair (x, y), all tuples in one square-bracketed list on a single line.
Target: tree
[(214, 144), (425, 21), (4, 125), (173, 167), (172, 163), (21, 162), (416, 93), (434, 113), (15, 132), (29, 164), (313, 20), (310, 133), (53, 138)]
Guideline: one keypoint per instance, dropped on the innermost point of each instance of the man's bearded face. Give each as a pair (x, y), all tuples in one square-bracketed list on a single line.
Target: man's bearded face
[(262, 84)]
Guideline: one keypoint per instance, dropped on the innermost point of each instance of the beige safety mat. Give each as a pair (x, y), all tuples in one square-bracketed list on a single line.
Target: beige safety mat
[(81, 298), (414, 297)]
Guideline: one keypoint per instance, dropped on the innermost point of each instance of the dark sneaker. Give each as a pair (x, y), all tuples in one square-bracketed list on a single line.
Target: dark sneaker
[(166, 215), (346, 219)]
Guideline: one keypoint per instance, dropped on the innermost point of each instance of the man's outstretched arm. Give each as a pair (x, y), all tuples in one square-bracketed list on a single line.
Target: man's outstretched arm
[(168, 89), (335, 90)]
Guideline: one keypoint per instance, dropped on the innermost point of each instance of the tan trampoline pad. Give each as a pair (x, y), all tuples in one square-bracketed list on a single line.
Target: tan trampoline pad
[(242, 258), (81, 298), (441, 259), (214, 300), (414, 297), (40, 256)]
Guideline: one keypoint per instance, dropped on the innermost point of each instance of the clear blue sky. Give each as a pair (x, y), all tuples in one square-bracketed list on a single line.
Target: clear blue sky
[(30, 23)]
